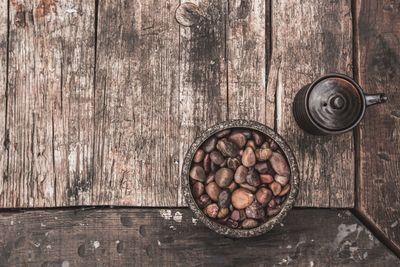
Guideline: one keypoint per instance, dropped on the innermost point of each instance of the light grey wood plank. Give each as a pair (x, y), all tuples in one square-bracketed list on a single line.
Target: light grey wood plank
[(310, 39), (3, 92), (50, 104)]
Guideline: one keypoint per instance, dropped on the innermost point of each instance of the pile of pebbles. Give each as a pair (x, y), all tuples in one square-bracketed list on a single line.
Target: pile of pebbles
[(240, 178)]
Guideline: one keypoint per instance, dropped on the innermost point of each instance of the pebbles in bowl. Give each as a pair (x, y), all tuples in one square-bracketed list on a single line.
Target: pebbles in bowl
[(239, 178)]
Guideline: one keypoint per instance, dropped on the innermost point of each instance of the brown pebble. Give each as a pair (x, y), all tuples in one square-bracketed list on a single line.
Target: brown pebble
[(207, 163), (279, 164), (227, 148), (240, 174), (217, 157), (272, 203), (197, 173), (223, 133), (209, 144), (213, 190), (248, 157), (285, 190), (251, 144), (249, 223), (273, 211), (263, 154), (276, 188), (198, 189), (212, 210), (232, 186), (265, 145), (258, 138), (283, 180), (264, 196), (262, 167), (253, 178), (266, 178), (235, 215), (233, 163), (224, 177), (251, 188), (273, 145), (199, 156), (238, 138), (242, 198), (224, 198), (210, 178), (223, 213), (203, 201), (255, 211)]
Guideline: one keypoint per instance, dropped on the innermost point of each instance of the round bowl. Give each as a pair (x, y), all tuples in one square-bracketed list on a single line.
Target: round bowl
[(286, 205)]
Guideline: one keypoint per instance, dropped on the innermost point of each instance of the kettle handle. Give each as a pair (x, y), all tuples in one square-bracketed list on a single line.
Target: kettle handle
[(372, 99)]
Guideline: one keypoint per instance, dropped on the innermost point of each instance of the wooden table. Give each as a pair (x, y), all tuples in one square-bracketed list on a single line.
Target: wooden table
[(101, 99)]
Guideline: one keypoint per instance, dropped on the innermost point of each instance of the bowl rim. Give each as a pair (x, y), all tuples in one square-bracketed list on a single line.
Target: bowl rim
[(294, 178)]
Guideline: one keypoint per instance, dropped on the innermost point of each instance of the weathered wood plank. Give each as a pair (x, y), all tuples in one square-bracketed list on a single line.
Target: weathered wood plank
[(3, 89), (247, 54), (137, 104), (51, 59), (378, 57), (203, 74), (153, 237), (310, 39)]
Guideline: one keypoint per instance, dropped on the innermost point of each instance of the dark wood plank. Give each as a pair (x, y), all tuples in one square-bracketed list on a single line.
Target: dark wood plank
[(172, 237), (137, 144), (50, 103), (247, 51), (310, 39), (3, 88), (378, 57), (203, 74)]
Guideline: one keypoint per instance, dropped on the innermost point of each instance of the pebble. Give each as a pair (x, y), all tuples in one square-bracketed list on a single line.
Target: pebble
[(227, 148), (224, 198), (232, 224), (232, 186), (203, 201), (285, 190), (249, 223), (273, 211), (240, 174), (238, 138), (209, 144), (263, 154), (212, 210), (197, 173), (265, 145), (233, 163), (207, 163), (223, 213), (272, 203), (242, 198), (266, 178), (258, 138), (210, 178), (283, 180), (199, 156), (276, 188), (262, 167), (224, 177), (235, 215), (251, 144), (264, 196), (213, 190), (248, 157), (273, 145), (198, 189), (216, 157), (249, 187), (223, 133), (255, 211), (253, 178), (279, 164)]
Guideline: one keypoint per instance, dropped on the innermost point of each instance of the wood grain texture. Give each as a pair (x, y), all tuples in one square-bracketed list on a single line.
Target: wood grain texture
[(154, 237), (310, 39), (247, 54), (137, 104), (50, 103), (378, 58), (3, 89), (203, 75)]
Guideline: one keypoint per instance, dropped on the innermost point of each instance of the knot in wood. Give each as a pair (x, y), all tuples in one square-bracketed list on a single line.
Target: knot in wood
[(188, 14)]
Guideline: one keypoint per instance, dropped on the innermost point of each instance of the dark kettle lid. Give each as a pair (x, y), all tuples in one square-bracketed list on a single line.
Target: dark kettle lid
[(335, 103)]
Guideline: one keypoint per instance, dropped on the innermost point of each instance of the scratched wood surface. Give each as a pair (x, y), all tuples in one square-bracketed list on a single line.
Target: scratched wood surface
[(101, 108), (379, 72), (3, 85), (172, 237), (310, 39)]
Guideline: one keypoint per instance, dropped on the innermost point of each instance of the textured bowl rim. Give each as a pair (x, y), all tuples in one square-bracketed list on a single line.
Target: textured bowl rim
[(287, 204)]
